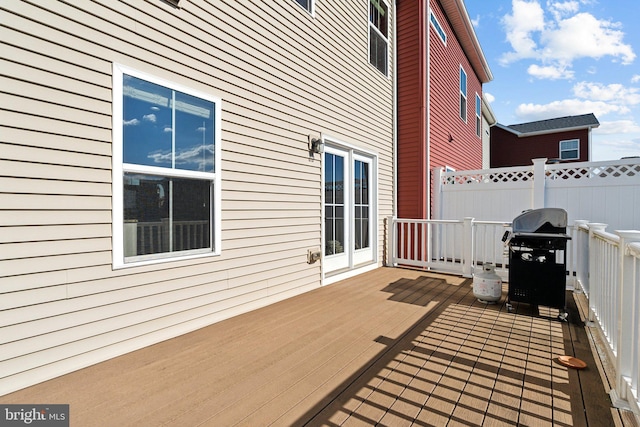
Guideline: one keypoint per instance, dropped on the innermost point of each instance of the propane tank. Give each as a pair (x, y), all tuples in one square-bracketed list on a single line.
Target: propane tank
[(487, 285)]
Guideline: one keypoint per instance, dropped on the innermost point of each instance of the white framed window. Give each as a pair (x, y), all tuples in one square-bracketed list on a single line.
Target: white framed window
[(478, 116), (166, 170), (434, 21), (379, 35), (463, 94), (307, 5), (570, 149)]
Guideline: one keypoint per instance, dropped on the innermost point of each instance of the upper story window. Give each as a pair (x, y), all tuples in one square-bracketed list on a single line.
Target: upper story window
[(379, 35), (306, 4), (463, 95), (166, 178), (478, 116), (438, 27), (570, 149)]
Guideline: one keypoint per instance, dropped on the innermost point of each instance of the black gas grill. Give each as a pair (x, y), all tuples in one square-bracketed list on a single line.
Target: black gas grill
[(537, 259)]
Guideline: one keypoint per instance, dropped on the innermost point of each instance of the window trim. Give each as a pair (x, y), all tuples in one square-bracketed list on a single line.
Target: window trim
[(463, 94), (118, 169), (577, 149), (478, 116), (312, 7), (386, 38), (433, 19)]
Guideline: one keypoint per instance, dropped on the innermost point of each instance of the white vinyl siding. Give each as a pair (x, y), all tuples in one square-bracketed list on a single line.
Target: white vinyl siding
[(62, 304)]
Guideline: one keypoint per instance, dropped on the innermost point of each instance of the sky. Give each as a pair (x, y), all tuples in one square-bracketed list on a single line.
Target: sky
[(563, 58)]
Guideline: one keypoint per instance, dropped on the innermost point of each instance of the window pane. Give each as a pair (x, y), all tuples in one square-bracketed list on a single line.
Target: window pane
[(463, 108), (338, 180), (305, 3), (329, 194), (377, 51), (150, 224), (191, 214), (194, 133), (146, 214), (147, 123)]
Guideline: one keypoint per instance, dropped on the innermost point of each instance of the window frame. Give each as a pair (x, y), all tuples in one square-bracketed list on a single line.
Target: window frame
[(577, 149), (463, 94), (311, 10), (119, 169), (478, 116), (433, 19), (371, 26)]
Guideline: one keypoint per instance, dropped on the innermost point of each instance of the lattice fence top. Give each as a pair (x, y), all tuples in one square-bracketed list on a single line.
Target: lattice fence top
[(584, 170), (598, 171), (488, 176)]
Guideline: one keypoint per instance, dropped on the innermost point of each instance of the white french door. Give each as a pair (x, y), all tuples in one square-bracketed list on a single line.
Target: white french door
[(349, 209)]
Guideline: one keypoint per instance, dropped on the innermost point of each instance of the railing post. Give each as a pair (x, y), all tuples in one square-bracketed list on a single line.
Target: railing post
[(539, 183), (467, 247), (391, 241), (581, 257), (594, 272), (627, 320)]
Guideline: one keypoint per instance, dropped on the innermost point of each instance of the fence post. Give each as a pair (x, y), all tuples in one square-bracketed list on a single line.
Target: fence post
[(437, 193), (391, 243), (539, 182), (627, 321), (467, 247), (594, 271), (581, 257)]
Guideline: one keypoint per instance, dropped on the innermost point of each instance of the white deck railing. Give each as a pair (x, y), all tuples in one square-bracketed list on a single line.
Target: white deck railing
[(605, 266), (611, 281)]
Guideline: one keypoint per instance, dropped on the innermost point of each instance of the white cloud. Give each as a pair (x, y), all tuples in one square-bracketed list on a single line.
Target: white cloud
[(615, 93), (550, 72), (490, 98), (562, 36), (635, 78), (167, 129), (476, 22), (526, 19), (149, 118), (567, 107), (617, 127), (132, 122)]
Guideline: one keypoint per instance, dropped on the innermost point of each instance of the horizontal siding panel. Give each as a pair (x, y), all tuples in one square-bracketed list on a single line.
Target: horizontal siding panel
[(56, 157), (53, 263), (10, 251), (30, 138), (53, 232), (59, 112), (47, 57), (48, 186), (52, 126), (53, 172), (57, 202), (49, 217)]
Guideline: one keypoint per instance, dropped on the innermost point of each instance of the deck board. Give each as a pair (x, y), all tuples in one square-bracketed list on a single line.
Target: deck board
[(391, 347)]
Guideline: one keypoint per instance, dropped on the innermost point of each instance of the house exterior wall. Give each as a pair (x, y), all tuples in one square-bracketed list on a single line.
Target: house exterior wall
[(412, 110), (507, 149), (423, 131), (464, 152), (281, 74)]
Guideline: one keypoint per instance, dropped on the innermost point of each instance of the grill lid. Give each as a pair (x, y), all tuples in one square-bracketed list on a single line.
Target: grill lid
[(545, 220)]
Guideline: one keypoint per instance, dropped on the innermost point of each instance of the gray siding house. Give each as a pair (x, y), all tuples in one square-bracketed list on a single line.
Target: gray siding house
[(165, 165)]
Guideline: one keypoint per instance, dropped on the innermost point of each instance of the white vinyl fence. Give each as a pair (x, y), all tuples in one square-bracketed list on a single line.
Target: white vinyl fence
[(606, 192)]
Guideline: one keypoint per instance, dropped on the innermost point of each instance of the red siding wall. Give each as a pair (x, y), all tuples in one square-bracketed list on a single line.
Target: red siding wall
[(509, 150), (412, 169), (464, 152), (416, 159)]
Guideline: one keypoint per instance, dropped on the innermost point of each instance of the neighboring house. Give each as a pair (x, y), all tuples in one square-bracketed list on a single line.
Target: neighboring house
[(162, 166), (488, 120), (565, 139), (441, 69)]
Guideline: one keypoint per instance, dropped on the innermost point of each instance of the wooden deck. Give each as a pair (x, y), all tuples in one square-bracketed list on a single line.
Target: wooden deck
[(391, 347)]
